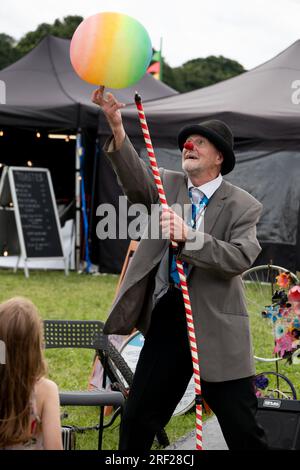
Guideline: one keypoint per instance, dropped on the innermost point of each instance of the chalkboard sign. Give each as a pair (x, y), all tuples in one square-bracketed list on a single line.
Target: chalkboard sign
[(32, 197), (37, 213)]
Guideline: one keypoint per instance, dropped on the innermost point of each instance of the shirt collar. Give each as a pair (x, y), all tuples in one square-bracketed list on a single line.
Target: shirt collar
[(208, 189)]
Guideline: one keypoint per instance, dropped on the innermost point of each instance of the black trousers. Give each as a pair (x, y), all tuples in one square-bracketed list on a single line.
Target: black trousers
[(163, 372)]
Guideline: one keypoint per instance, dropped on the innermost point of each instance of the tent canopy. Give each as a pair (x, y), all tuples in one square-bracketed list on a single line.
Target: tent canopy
[(43, 90), (256, 104)]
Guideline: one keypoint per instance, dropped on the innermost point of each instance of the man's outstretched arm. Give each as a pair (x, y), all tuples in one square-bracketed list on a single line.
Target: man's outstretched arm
[(133, 175)]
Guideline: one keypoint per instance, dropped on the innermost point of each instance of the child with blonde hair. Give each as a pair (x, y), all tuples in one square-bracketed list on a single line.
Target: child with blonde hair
[(29, 403)]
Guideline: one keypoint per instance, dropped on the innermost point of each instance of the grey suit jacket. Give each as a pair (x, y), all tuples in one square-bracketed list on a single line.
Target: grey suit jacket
[(215, 286)]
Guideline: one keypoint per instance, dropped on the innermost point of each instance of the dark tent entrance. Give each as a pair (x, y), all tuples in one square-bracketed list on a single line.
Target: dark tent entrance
[(25, 147), (271, 172), (21, 147)]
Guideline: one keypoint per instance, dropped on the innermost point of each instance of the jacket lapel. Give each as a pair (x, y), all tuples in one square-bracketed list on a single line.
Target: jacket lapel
[(183, 199), (215, 207)]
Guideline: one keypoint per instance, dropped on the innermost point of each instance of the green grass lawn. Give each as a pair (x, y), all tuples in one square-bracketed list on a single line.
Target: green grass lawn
[(87, 297)]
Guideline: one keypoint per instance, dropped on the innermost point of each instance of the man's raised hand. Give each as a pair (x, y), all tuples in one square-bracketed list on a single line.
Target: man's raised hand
[(111, 108)]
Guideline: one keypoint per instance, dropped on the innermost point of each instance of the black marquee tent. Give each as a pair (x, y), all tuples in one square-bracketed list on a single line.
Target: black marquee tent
[(258, 104), (44, 95), (262, 106)]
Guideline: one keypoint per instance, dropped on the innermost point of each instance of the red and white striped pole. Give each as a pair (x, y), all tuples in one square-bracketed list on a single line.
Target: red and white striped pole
[(182, 277)]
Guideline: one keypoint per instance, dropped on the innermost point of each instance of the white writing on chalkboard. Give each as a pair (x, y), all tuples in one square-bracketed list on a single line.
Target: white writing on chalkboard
[(37, 213)]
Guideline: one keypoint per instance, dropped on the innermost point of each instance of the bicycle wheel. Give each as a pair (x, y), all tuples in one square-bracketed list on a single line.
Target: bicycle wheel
[(121, 377), (274, 385), (130, 350), (117, 366), (259, 283)]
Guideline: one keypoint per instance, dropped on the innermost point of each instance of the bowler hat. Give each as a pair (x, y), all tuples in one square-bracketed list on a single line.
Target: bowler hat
[(219, 134)]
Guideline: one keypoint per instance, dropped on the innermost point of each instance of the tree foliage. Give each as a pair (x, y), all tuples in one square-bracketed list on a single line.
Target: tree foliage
[(61, 29), (8, 53), (199, 73)]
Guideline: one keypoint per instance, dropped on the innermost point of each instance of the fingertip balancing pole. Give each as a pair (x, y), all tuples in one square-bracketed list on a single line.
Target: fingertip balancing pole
[(182, 276)]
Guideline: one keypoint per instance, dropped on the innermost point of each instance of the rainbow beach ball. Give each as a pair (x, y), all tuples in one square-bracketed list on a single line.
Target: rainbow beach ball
[(110, 49)]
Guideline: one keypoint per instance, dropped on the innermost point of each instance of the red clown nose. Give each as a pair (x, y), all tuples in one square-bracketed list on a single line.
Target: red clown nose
[(188, 145)]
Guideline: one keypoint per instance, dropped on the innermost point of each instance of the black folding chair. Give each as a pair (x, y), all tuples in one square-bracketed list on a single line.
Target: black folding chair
[(88, 335)]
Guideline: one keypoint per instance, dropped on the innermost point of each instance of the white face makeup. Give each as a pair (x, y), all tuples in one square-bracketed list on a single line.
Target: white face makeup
[(203, 158)]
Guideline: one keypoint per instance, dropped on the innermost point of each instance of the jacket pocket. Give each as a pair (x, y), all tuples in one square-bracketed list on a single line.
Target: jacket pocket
[(240, 314)]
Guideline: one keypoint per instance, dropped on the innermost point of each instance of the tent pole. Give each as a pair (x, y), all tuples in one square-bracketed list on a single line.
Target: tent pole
[(77, 199), (95, 168)]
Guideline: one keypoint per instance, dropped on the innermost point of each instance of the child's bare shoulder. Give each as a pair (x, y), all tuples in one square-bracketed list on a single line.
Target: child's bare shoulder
[(46, 386)]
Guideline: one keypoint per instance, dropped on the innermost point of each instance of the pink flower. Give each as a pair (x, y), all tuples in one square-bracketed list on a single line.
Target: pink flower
[(285, 311), (296, 306), (294, 294), (284, 344)]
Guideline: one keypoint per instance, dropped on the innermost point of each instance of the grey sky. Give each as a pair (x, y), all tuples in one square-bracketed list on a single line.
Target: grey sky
[(250, 32)]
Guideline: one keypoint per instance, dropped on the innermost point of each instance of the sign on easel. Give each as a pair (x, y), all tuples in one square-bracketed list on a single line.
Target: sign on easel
[(28, 193)]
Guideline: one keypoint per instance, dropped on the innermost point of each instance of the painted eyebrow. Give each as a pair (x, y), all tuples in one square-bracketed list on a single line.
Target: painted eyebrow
[(197, 138)]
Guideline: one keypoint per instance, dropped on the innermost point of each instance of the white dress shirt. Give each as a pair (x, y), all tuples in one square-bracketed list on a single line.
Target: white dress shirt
[(207, 189)]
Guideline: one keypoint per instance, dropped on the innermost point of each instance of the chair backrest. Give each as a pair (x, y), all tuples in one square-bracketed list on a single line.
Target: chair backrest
[(74, 334)]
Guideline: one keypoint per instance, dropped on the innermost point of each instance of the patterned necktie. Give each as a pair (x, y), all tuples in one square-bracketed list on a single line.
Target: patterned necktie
[(199, 203)]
